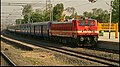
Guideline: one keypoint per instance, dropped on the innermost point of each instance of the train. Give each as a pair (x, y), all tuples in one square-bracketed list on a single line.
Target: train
[(80, 32)]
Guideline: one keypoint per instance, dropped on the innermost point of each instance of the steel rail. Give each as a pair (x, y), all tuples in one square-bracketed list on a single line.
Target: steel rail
[(7, 58), (76, 54)]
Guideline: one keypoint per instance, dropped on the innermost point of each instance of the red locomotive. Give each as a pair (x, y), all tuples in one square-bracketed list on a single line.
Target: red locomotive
[(80, 32)]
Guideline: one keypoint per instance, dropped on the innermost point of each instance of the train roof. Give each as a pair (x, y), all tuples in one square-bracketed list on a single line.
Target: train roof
[(40, 23), (56, 22), (70, 21), (37, 23), (86, 19), (45, 23)]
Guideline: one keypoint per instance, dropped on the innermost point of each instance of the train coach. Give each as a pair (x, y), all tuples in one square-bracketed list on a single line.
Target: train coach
[(82, 32), (40, 29)]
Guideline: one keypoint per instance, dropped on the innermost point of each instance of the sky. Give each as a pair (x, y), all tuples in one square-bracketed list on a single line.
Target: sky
[(10, 13)]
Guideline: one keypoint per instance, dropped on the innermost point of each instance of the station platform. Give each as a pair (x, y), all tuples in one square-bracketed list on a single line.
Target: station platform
[(105, 37)]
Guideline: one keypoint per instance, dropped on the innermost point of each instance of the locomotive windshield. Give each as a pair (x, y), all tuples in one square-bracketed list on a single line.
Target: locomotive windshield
[(82, 23), (91, 23), (87, 23)]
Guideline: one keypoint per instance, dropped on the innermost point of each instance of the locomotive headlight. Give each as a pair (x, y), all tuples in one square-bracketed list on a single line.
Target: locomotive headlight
[(96, 31), (81, 39)]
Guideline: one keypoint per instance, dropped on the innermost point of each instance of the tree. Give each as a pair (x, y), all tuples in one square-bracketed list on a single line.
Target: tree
[(19, 21), (46, 15), (38, 11), (71, 10), (36, 17), (98, 14), (57, 11), (73, 15), (115, 11), (27, 9), (85, 14), (105, 16)]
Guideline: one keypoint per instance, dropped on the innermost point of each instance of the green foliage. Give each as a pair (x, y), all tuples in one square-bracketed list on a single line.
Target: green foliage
[(39, 11), (27, 9), (26, 18), (43, 15), (115, 11), (86, 14), (36, 17), (57, 11), (71, 10), (19, 21), (103, 15), (99, 14), (47, 15)]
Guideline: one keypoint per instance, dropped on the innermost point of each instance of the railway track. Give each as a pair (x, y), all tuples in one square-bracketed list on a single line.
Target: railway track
[(7, 59), (93, 58), (81, 55), (91, 48)]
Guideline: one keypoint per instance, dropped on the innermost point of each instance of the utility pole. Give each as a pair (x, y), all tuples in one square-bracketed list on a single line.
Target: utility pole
[(50, 9), (51, 12), (28, 17), (110, 18), (46, 5), (46, 8)]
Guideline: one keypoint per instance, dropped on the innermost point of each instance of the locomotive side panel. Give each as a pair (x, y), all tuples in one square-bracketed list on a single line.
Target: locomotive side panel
[(61, 29)]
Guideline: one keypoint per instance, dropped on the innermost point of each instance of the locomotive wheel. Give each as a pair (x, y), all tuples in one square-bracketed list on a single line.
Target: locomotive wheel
[(69, 41), (56, 39), (88, 41), (64, 41), (59, 39), (94, 41), (75, 42)]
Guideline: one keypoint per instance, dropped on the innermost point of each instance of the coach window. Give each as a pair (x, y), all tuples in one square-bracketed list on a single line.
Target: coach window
[(26, 27), (40, 29)]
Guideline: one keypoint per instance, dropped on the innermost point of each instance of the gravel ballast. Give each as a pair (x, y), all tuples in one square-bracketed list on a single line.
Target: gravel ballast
[(43, 57)]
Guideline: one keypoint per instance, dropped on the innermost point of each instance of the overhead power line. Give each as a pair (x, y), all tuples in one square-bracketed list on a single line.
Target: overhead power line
[(22, 4)]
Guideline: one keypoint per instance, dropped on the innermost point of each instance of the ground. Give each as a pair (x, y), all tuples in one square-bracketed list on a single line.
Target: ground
[(43, 57)]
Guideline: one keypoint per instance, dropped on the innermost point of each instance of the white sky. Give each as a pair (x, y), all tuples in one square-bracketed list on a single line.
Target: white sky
[(79, 5)]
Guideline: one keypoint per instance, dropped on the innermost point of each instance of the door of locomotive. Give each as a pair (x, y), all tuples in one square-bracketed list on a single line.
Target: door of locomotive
[(74, 29)]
